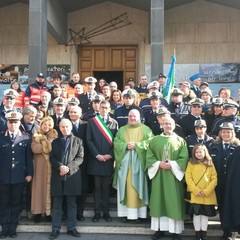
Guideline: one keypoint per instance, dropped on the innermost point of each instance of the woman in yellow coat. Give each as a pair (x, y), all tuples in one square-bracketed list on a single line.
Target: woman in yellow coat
[(201, 179), (41, 148)]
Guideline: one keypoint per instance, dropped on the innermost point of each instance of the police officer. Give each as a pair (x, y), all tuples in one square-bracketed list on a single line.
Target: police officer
[(94, 110), (187, 122), (199, 136), (9, 100), (85, 98), (230, 109), (16, 168), (177, 107), (121, 113), (223, 155)]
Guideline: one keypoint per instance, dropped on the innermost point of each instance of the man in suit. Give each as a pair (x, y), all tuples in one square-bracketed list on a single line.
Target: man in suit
[(100, 133), (66, 158), (85, 98), (79, 130), (16, 168)]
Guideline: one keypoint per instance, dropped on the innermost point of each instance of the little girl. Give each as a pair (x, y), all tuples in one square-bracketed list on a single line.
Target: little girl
[(201, 179)]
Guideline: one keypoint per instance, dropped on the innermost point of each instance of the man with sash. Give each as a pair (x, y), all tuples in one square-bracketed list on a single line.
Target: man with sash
[(100, 132), (130, 146)]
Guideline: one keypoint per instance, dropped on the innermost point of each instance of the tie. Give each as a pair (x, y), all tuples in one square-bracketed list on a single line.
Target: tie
[(12, 137), (58, 120), (90, 96), (75, 126), (226, 146)]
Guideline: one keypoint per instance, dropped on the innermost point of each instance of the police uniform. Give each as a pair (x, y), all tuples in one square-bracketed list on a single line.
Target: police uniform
[(193, 139), (234, 119), (85, 98), (15, 165), (194, 88), (187, 122), (7, 93), (121, 113)]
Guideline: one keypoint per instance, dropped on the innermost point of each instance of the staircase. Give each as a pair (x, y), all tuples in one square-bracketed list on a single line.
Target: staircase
[(114, 227)]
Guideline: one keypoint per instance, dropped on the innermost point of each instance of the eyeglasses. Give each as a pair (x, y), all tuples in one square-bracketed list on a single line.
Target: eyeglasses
[(13, 121), (196, 106), (9, 98), (227, 108)]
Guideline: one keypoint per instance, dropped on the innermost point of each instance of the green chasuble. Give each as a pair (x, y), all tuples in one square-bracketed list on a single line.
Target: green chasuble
[(167, 191), (131, 163)]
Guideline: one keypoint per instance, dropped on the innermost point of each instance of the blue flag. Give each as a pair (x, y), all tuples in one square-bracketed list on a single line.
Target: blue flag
[(169, 84)]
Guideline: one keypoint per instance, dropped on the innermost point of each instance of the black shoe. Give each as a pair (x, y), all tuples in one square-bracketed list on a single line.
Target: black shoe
[(107, 217), (54, 234), (157, 235), (226, 235), (48, 218), (74, 233), (176, 236), (124, 219), (4, 234), (96, 217), (138, 220), (80, 218), (37, 218), (13, 234)]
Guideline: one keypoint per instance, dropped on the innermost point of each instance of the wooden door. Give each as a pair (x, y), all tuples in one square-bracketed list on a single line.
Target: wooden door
[(108, 58)]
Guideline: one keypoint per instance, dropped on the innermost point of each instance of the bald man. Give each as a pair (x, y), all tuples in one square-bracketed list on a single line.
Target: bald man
[(130, 145)]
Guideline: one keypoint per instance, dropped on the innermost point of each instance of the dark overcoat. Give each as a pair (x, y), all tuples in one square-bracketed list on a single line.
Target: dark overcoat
[(69, 184)]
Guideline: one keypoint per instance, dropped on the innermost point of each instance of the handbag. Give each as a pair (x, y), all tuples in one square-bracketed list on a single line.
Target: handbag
[(187, 194)]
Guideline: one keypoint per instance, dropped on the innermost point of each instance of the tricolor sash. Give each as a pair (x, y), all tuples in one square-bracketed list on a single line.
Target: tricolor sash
[(103, 128)]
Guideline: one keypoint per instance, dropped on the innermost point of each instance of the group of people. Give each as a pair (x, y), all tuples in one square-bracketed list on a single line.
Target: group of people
[(55, 142)]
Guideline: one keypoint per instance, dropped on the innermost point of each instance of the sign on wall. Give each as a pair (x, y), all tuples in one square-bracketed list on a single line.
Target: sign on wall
[(10, 72)]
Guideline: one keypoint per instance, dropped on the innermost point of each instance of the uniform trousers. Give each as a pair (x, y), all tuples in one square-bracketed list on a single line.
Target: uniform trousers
[(10, 205)]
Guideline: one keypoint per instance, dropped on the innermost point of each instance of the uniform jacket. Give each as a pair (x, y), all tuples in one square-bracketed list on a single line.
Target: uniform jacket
[(85, 102), (121, 114), (69, 184), (16, 158), (98, 144), (192, 140), (187, 124)]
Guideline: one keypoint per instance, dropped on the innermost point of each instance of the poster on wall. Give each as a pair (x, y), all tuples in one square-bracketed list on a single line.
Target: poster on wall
[(10, 72), (220, 73)]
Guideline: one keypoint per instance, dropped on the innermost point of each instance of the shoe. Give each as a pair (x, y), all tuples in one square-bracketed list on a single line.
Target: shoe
[(48, 218), (74, 233), (176, 236), (37, 218), (54, 234), (198, 235), (226, 235), (138, 220), (80, 218), (203, 235), (157, 235), (124, 219), (107, 217), (4, 234), (96, 217), (12, 234)]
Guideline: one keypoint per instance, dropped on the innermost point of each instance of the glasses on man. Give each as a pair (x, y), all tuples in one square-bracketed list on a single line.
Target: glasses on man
[(227, 108), (9, 98), (196, 106)]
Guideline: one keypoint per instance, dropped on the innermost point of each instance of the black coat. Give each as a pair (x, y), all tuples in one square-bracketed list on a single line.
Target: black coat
[(16, 158), (226, 174), (192, 140), (98, 144), (232, 220), (69, 184)]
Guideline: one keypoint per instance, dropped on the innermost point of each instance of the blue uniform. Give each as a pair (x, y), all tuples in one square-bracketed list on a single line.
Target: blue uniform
[(16, 163)]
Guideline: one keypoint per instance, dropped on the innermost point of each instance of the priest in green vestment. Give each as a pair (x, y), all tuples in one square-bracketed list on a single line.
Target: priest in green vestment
[(166, 161), (130, 145)]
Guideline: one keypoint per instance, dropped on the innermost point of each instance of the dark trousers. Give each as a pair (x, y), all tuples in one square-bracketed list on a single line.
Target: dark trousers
[(101, 193), (10, 205), (71, 212)]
